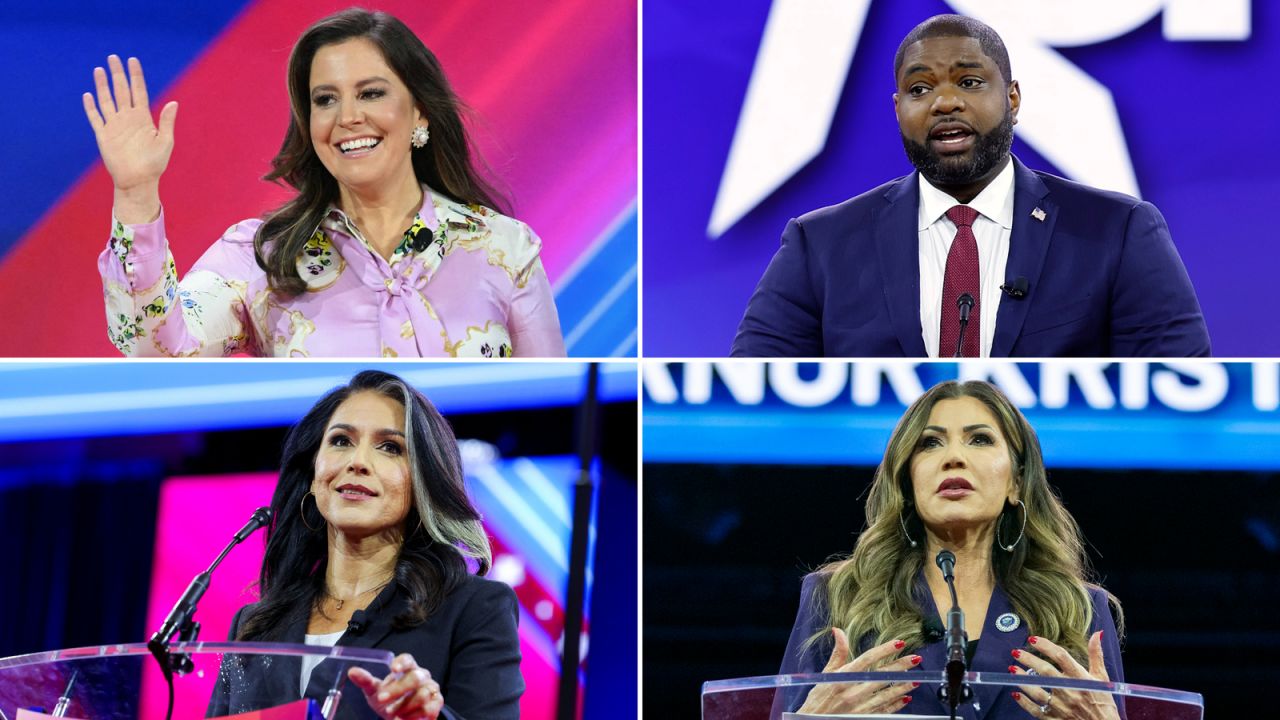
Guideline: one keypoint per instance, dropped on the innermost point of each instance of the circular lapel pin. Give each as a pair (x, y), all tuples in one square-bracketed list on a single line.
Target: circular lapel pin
[(1008, 622)]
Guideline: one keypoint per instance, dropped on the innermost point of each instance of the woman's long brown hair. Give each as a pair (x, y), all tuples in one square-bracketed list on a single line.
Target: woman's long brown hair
[(446, 164)]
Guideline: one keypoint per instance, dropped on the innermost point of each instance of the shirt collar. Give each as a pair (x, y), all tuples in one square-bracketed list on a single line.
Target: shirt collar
[(995, 202), (427, 213), (335, 219)]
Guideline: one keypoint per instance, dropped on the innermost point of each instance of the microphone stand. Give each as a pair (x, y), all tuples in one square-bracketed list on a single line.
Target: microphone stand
[(575, 594), (60, 710), (956, 690), (181, 619)]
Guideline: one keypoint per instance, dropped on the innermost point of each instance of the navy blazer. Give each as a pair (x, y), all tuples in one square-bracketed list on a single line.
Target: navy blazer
[(994, 651), (469, 644), (1103, 279)]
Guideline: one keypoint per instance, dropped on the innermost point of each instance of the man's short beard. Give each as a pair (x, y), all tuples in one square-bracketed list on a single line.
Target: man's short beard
[(989, 150)]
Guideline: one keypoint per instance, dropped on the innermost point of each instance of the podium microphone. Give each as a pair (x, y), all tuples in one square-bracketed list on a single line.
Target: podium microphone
[(956, 690), (181, 619), (965, 304)]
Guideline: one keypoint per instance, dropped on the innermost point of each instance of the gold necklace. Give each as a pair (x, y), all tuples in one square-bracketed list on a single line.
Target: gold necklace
[(357, 596)]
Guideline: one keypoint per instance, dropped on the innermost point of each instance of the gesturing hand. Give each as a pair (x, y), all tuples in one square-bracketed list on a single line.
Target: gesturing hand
[(867, 697), (1044, 702), (134, 150), (408, 693)]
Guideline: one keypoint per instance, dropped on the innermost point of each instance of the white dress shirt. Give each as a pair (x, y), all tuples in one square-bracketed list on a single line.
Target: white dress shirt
[(309, 662), (992, 230)]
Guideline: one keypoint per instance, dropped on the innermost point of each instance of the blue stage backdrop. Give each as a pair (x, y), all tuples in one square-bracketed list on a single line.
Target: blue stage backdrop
[(1149, 97)]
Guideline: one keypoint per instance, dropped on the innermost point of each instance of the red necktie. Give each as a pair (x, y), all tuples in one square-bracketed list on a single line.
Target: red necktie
[(961, 278)]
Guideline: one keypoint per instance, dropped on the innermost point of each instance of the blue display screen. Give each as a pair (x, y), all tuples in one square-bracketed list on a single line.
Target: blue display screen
[(43, 400), (1088, 414)]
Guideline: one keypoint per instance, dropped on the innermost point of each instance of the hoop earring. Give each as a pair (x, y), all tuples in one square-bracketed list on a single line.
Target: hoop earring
[(1021, 531), (903, 524), (302, 508)]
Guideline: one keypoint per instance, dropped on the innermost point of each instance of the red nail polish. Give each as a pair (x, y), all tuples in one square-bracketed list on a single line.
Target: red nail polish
[(915, 659), (1017, 695), (906, 699), (915, 684), (1100, 634), (898, 644), (1013, 669), (1032, 639), (1017, 653)]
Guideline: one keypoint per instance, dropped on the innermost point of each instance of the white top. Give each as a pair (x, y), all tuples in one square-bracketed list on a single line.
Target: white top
[(992, 230), (309, 662)]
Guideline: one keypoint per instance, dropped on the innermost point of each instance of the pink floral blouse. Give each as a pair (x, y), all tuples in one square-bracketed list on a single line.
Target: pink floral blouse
[(465, 282)]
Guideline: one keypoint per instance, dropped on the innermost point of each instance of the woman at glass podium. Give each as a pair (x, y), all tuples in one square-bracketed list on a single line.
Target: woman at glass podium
[(372, 533), (962, 472)]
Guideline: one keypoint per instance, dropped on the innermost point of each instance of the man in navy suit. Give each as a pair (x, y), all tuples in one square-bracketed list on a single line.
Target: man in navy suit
[(973, 254)]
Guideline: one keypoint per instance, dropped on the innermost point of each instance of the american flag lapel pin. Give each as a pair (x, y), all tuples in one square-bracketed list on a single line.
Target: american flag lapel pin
[(1038, 214)]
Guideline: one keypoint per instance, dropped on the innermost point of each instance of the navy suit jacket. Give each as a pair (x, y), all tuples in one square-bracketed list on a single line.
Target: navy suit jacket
[(1103, 279), (469, 644), (994, 651)]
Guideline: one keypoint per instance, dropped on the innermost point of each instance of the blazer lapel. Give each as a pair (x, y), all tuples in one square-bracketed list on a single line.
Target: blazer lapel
[(995, 647), (282, 681), (1034, 215), (898, 247)]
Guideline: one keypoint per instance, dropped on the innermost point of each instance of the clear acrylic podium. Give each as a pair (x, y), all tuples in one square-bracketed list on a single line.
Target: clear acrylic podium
[(124, 682), (779, 697)]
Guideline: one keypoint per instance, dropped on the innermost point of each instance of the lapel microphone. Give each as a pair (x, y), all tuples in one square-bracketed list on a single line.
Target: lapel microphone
[(933, 630), (359, 620), (1016, 289)]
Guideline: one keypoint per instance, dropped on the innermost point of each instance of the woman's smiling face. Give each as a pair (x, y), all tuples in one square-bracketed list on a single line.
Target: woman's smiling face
[(363, 484), (362, 116)]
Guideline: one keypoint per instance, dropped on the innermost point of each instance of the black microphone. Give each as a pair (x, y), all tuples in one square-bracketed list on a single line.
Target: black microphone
[(180, 618), (1016, 289), (260, 518), (421, 239), (965, 304), (358, 622), (956, 690), (933, 630)]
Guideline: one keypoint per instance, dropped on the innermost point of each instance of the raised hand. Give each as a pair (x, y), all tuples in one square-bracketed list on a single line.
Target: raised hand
[(135, 151), (862, 698), (408, 693), (1050, 660)]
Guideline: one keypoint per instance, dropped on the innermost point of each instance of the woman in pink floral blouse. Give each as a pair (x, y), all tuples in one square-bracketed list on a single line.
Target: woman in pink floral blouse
[(389, 248)]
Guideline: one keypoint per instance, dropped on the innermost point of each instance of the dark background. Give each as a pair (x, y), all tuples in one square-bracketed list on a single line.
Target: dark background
[(1192, 556)]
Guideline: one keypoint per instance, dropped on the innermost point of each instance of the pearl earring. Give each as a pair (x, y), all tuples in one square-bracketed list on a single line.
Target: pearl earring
[(420, 136)]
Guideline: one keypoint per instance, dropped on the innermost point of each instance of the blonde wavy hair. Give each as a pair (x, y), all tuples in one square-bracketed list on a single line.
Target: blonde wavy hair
[(872, 593)]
